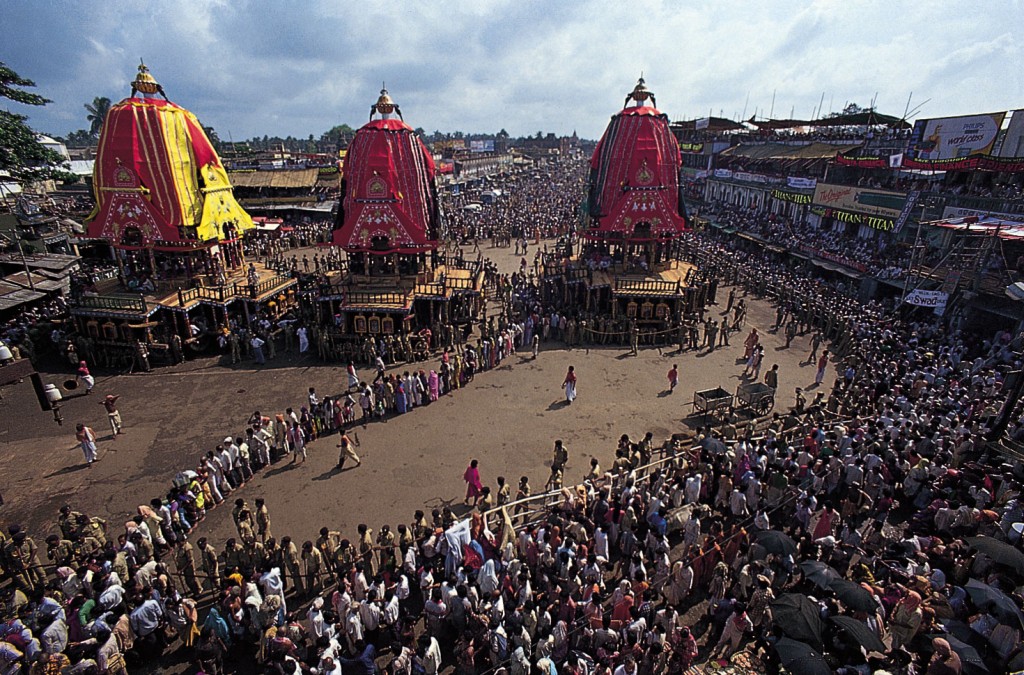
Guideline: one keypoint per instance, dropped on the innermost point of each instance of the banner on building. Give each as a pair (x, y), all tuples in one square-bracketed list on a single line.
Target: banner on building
[(702, 123), (795, 197), (1003, 164), (950, 212), (863, 162), (972, 163), (481, 146), (750, 177), (723, 173), (801, 183), (1013, 139), (896, 161), (881, 203), (908, 208), (954, 137), (934, 299)]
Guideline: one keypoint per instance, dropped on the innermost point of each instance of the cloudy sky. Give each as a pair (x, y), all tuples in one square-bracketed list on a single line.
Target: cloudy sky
[(251, 67)]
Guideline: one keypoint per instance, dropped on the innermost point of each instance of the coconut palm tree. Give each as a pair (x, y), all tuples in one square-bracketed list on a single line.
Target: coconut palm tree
[(97, 110)]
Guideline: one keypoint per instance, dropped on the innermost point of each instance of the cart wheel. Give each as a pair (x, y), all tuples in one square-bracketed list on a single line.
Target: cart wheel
[(764, 406)]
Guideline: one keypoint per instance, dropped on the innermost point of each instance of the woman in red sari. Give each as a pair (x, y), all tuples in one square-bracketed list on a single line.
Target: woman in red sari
[(735, 541)]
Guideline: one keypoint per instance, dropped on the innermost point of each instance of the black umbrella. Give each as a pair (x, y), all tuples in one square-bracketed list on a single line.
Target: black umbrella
[(801, 659), (821, 574), (1005, 606), (970, 659), (1000, 552), (961, 631), (853, 595), (776, 542), (860, 632), (798, 617)]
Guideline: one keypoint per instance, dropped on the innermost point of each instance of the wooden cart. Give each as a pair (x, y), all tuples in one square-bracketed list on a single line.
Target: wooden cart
[(756, 397)]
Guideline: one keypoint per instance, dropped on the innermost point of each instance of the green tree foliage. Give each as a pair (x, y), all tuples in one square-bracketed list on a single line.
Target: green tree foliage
[(339, 136), (79, 139), (211, 134), (21, 154), (97, 110)]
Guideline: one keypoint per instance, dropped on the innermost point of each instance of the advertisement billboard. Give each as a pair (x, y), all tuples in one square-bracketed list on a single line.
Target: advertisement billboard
[(1013, 141), (952, 137), (951, 212), (481, 146), (881, 203), (801, 183)]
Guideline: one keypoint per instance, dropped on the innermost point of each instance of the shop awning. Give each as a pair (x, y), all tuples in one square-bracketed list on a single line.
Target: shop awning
[(999, 227)]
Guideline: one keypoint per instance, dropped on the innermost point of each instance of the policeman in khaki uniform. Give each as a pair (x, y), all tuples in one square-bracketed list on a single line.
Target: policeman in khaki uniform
[(420, 527), (67, 521), (293, 563), (313, 562), (405, 536), (22, 560), (60, 552), (246, 528), (85, 545), (262, 520), (235, 557), (344, 557), (256, 552), (327, 543), (211, 566), (366, 549), (236, 512), (185, 563), (94, 527)]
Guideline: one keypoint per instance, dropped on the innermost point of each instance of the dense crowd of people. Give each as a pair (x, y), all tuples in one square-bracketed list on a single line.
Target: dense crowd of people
[(875, 255), (273, 242), (531, 206), (31, 330), (873, 528)]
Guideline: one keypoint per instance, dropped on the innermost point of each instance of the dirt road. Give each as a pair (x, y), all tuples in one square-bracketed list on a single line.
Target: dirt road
[(507, 418)]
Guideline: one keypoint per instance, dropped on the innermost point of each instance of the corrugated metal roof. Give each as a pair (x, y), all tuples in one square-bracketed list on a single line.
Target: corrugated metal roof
[(781, 151), (287, 179), (19, 296)]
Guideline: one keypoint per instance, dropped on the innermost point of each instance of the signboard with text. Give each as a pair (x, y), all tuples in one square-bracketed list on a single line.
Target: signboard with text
[(935, 299), (950, 212), (882, 203), (798, 183), (953, 137)]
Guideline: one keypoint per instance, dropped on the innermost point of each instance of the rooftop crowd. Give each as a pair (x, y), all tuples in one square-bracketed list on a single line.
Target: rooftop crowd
[(876, 254)]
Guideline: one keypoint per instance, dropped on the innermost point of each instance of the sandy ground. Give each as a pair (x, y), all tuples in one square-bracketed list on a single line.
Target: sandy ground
[(507, 418)]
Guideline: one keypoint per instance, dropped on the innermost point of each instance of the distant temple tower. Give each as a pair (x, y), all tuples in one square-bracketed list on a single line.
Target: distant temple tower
[(158, 181), (635, 193)]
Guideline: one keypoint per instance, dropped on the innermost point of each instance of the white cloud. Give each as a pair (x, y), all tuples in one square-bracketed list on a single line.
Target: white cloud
[(271, 67)]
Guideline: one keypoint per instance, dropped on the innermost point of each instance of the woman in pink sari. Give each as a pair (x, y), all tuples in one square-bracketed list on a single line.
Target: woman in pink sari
[(472, 478), (433, 383)]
